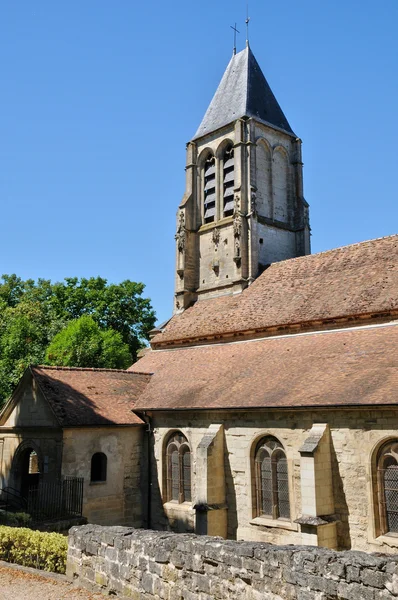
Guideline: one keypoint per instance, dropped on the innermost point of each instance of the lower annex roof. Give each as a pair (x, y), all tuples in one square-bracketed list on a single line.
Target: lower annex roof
[(351, 367), (91, 397)]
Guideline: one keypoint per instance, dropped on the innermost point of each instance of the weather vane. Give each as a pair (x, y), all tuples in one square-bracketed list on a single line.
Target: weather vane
[(235, 32), (247, 23)]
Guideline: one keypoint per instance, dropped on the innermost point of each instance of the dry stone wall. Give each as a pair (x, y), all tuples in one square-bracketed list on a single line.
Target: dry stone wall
[(138, 564)]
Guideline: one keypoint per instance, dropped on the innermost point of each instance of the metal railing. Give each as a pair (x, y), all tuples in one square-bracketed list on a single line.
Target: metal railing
[(56, 500), (11, 500)]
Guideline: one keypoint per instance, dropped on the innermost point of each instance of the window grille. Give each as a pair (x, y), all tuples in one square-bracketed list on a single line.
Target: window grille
[(98, 467), (387, 471), (178, 469), (271, 480), (210, 189), (186, 460), (229, 181)]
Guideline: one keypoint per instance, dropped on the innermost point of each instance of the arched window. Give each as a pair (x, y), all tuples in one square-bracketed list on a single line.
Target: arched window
[(271, 479), (98, 467), (178, 468), (387, 483), (209, 187), (228, 181)]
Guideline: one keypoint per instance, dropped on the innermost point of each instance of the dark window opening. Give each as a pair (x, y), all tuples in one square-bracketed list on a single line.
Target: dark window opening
[(228, 182), (98, 467), (210, 190)]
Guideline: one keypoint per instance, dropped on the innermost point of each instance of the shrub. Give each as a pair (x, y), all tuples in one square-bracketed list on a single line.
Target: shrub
[(18, 519), (46, 551)]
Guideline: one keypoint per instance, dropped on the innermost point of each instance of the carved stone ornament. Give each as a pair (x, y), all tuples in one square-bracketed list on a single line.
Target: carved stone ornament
[(237, 248), (253, 204), (237, 224), (236, 203), (180, 235), (216, 236)]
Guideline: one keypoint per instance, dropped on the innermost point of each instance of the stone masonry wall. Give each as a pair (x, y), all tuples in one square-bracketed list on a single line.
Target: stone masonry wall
[(139, 564)]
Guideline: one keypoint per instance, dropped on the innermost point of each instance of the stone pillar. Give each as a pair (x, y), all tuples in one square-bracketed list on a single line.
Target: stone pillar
[(318, 523), (210, 504)]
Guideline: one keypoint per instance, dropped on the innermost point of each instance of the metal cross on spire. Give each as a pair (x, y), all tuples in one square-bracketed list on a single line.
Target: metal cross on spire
[(247, 23), (235, 32)]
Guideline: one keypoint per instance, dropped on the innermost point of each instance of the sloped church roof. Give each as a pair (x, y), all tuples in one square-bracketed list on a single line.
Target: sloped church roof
[(350, 281), (243, 92)]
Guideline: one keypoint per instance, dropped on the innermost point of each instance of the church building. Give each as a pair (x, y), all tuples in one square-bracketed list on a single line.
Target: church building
[(266, 407)]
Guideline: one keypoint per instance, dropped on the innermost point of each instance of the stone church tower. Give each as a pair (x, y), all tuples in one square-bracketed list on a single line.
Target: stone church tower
[(243, 207)]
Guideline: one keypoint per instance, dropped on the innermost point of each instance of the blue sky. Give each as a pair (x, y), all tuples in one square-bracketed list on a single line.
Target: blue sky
[(98, 99)]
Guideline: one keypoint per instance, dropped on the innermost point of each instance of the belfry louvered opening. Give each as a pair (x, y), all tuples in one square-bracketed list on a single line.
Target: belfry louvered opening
[(271, 480), (178, 469), (228, 181), (387, 481), (209, 189)]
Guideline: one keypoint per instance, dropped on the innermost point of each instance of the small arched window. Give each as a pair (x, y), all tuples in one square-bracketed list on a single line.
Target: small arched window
[(271, 480), (178, 469), (209, 189), (387, 483), (228, 181), (98, 467)]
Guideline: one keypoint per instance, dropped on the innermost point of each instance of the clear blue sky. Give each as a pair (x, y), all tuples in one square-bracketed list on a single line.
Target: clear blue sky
[(98, 99)]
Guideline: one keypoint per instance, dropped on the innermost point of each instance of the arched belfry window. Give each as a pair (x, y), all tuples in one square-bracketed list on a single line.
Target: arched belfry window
[(178, 468), (98, 467), (228, 181), (387, 483), (271, 480), (209, 190)]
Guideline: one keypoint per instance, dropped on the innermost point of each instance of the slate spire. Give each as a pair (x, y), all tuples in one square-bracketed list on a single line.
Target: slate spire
[(243, 92)]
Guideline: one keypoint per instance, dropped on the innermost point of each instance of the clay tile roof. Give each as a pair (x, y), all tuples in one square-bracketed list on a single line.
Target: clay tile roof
[(83, 397), (353, 280), (357, 366)]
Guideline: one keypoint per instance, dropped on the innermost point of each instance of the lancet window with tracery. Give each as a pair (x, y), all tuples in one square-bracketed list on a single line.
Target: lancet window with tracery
[(178, 469), (271, 479), (387, 483)]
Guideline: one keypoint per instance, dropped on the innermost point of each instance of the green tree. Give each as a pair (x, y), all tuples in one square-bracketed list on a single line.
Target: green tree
[(32, 313), (82, 343), (25, 331)]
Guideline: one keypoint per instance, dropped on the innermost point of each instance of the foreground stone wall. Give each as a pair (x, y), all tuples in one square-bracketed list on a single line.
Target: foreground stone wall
[(142, 564)]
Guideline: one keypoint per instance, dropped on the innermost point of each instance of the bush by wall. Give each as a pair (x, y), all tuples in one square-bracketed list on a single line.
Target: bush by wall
[(18, 519), (46, 551)]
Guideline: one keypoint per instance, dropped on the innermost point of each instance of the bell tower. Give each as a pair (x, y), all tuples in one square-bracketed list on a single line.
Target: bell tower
[(243, 206)]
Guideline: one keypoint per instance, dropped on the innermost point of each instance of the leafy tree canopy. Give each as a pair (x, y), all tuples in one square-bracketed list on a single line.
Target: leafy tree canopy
[(32, 313), (82, 343)]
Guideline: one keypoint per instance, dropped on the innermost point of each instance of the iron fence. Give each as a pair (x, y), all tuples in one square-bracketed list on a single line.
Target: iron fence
[(56, 500)]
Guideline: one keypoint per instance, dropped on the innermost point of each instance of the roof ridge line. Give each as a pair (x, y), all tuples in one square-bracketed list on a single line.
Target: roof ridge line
[(339, 248), (88, 369), (393, 323)]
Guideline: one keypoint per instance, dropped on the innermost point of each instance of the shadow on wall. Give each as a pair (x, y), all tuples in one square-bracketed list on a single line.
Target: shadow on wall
[(230, 495), (154, 515), (341, 507)]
